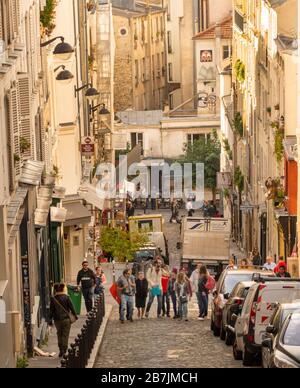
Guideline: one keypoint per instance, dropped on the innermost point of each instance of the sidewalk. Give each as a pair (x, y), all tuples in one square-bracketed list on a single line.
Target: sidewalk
[(39, 362)]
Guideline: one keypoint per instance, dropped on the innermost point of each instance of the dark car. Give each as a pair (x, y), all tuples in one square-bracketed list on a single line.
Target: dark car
[(229, 278), (287, 344), (280, 314), (233, 306), (143, 258)]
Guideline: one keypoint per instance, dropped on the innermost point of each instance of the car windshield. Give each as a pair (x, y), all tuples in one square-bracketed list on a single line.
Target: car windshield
[(291, 336), (144, 255), (287, 312), (232, 279)]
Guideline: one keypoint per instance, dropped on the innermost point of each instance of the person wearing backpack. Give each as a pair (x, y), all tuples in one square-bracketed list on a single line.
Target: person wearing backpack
[(203, 291)]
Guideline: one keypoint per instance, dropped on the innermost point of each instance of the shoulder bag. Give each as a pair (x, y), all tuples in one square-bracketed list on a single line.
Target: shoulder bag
[(71, 316)]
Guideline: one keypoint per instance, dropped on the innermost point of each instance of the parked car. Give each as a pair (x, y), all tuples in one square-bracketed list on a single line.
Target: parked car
[(226, 283), (144, 257), (258, 308), (287, 344), (234, 305), (269, 337)]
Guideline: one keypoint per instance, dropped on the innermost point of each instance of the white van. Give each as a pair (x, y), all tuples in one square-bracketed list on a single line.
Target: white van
[(258, 308)]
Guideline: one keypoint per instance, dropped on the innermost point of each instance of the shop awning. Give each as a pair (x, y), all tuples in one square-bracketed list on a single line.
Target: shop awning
[(90, 194), (77, 214)]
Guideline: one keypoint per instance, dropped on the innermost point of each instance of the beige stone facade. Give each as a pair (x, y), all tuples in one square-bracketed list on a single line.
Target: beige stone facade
[(140, 58)]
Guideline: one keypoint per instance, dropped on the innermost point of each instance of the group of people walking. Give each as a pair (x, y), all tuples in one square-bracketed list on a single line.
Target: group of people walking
[(166, 286)]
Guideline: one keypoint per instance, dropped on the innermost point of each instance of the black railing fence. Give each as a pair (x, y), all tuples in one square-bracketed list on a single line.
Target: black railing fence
[(80, 350)]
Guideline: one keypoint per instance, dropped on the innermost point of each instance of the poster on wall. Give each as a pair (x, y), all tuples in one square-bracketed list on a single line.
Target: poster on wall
[(206, 56)]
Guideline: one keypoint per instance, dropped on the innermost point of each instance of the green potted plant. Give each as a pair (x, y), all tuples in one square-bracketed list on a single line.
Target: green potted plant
[(238, 124), (17, 158), (280, 198), (24, 145), (269, 110), (239, 179)]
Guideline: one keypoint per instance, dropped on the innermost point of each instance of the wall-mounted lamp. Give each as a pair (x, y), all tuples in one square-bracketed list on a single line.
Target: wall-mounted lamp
[(91, 93), (63, 50), (64, 76)]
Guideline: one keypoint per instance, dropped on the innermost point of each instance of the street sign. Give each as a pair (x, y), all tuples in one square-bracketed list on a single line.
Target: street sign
[(87, 146)]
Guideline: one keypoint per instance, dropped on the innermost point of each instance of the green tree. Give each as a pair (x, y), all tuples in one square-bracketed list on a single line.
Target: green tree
[(122, 244), (208, 152)]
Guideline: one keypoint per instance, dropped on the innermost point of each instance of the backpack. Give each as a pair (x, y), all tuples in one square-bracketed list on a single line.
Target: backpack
[(210, 284)]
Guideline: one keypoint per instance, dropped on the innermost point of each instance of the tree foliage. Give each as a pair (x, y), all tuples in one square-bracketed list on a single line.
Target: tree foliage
[(208, 152), (121, 244)]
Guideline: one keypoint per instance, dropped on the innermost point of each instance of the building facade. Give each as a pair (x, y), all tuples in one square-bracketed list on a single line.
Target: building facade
[(140, 56)]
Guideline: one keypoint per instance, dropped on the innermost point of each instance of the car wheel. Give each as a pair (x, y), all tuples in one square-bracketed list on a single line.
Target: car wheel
[(228, 338), (222, 333), (237, 354), (248, 358)]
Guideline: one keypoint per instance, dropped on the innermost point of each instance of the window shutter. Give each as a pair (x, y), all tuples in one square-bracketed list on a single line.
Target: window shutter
[(1, 22), (15, 15), (26, 133), (32, 46), (14, 134)]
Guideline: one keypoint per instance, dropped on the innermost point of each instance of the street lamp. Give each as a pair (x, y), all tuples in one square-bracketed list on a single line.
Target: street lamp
[(63, 50), (64, 76), (91, 93)]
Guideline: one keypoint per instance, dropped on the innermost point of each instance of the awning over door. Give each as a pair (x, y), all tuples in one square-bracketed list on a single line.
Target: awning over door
[(77, 214)]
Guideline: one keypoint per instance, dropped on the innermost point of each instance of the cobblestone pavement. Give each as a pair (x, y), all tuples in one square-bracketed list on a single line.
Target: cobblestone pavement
[(163, 343)]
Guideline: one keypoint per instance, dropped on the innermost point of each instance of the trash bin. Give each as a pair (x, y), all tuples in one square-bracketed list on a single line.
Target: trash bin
[(76, 297)]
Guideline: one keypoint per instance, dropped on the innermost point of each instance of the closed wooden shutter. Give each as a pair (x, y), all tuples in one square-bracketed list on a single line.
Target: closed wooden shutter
[(14, 133), (15, 15), (26, 133), (33, 46), (1, 22)]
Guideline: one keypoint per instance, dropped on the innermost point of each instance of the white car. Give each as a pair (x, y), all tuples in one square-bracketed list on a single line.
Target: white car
[(258, 308)]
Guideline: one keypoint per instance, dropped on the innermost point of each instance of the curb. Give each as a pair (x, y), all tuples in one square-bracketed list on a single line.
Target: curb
[(92, 360)]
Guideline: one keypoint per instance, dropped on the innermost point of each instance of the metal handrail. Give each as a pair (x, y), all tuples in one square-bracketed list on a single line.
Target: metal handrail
[(80, 350)]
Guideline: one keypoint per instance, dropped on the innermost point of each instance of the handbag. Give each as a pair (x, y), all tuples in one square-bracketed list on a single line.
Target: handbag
[(71, 316), (183, 299), (156, 291)]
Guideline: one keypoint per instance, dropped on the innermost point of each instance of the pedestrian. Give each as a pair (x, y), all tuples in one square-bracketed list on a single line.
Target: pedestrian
[(189, 208), (100, 281), (183, 294), (172, 292), (63, 314), (87, 279), (126, 289), (244, 263), (269, 265), (281, 270), (203, 279), (141, 294), (256, 258), (166, 305), (154, 277), (194, 279)]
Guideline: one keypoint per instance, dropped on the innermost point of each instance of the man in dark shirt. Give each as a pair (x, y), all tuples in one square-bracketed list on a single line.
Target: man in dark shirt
[(87, 279)]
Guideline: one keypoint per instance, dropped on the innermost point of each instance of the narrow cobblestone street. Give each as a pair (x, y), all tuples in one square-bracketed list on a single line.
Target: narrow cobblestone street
[(164, 343)]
